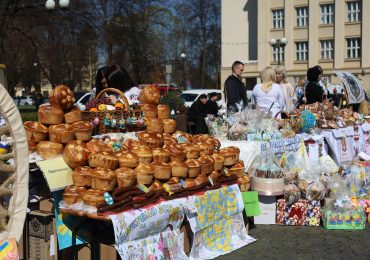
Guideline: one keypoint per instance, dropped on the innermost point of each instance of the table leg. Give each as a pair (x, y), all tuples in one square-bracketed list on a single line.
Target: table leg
[(95, 248)]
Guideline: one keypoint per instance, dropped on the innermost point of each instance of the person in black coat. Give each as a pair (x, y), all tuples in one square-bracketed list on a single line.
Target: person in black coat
[(212, 106), (197, 112), (235, 90), (314, 92)]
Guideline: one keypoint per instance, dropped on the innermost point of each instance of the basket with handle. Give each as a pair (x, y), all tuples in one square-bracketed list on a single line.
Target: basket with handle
[(100, 118)]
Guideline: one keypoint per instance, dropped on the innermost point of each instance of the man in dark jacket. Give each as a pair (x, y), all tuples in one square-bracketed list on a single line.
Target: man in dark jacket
[(212, 107), (234, 89), (197, 112)]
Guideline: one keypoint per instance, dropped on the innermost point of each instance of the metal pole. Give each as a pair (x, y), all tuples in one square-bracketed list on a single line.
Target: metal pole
[(278, 51), (183, 74)]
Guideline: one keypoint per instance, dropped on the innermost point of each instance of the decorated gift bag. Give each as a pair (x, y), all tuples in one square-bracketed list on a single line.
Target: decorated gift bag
[(301, 213)]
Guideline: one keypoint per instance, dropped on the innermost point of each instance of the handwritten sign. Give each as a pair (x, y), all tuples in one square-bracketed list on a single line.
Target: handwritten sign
[(57, 173)]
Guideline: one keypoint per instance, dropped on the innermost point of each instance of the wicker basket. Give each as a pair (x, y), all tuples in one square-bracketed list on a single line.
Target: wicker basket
[(101, 128), (268, 187)]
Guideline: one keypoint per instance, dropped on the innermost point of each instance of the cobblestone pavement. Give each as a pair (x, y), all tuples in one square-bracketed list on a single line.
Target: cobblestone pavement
[(289, 242)]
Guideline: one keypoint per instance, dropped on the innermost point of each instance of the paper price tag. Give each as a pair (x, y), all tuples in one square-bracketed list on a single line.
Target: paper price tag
[(57, 173)]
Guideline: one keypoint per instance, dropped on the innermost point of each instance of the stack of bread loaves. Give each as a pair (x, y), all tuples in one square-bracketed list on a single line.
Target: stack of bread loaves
[(58, 123), (154, 160), (157, 115)]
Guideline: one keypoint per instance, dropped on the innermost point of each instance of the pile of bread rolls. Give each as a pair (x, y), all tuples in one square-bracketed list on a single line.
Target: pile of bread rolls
[(59, 122)]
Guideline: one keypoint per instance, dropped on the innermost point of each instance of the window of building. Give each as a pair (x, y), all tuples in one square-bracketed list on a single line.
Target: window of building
[(354, 48), (327, 49), (277, 53), (354, 11), (302, 50), (302, 16), (327, 14), (278, 19)]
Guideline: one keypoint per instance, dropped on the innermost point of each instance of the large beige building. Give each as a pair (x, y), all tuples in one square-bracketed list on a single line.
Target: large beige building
[(332, 33)]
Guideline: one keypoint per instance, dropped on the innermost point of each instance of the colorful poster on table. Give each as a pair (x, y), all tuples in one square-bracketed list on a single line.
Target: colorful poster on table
[(64, 225), (139, 224), (217, 222)]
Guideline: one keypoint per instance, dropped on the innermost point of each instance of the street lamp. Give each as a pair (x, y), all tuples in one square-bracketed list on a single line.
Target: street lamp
[(279, 43), (50, 4), (183, 56)]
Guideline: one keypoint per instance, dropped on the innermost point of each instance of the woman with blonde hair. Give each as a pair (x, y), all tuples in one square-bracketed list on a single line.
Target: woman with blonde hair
[(268, 95), (288, 90)]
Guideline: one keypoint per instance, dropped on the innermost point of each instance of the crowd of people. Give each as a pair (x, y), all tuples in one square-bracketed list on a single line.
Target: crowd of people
[(273, 95)]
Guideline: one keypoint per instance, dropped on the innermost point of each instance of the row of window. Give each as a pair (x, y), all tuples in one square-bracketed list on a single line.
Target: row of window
[(327, 50), (326, 15)]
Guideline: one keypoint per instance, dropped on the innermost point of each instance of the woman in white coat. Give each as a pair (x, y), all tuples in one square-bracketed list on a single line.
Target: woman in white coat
[(268, 96)]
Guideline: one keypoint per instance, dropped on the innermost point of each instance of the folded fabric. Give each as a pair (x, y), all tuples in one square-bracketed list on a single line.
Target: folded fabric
[(251, 204)]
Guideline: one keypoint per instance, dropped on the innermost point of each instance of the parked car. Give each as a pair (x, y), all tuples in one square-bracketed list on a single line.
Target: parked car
[(190, 96), (24, 101), (81, 102)]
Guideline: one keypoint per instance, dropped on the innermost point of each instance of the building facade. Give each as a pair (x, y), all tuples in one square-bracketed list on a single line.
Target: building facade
[(334, 34)]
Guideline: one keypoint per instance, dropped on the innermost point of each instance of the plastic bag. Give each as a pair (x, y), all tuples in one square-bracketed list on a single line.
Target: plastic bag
[(267, 166), (291, 194), (316, 191)]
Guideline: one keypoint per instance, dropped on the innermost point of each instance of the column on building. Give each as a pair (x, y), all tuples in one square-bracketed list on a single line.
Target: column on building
[(289, 14), (313, 32), (264, 25), (339, 40)]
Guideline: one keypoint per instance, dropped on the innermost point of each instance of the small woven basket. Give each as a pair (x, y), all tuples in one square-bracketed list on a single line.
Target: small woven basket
[(101, 128)]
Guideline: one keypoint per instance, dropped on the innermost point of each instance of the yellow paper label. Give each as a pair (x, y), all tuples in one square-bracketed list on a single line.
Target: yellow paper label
[(57, 173)]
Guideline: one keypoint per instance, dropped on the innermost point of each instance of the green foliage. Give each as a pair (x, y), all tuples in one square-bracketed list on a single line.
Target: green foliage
[(173, 101), (28, 113)]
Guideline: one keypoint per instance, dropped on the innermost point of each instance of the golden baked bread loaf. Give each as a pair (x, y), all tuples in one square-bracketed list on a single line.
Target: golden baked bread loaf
[(35, 131), (31, 147), (201, 179), (169, 125), (189, 182), (169, 140), (62, 133), (144, 153), (103, 160), (128, 159), (192, 151), (149, 95), (213, 141), (214, 176), (76, 154), (206, 164), (236, 150), (154, 124), (150, 111), (244, 183), (131, 143), (144, 173), (151, 139), (229, 155), (125, 177), (48, 150), (237, 168), (161, 155), (73, 194), (74, 115), (162, 171), (104, 179), (177, 152), (82, 176), (183, 137), (93, 197), (96, 146), (219, 161), (83, 130), (179, 169), (50, 115), (61, 96), (163, 111), (200, 138), (205, 149), (194, 167)]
